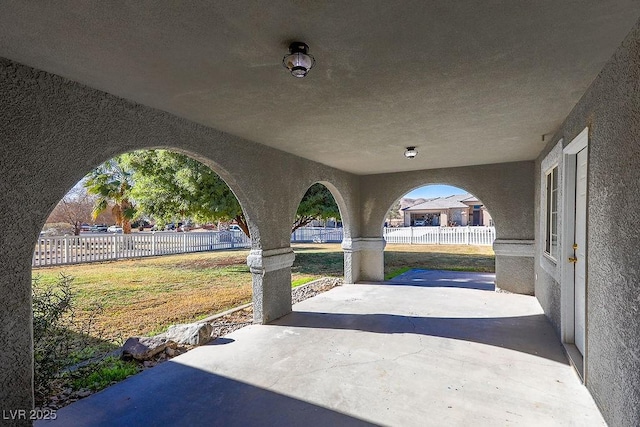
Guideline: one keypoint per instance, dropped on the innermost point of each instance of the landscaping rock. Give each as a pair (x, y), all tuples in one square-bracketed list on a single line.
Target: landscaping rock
[(189, 333), (83, 393), (144, 348), (314, 288)]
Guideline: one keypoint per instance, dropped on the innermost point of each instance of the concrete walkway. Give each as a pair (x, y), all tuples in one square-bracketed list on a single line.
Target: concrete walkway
[(429, 348)]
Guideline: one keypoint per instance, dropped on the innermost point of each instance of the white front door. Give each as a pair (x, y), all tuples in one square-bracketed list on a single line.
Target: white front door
[(580, 249)]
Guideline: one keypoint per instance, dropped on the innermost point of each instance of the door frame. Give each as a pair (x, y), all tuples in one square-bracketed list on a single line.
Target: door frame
[(567, 315)]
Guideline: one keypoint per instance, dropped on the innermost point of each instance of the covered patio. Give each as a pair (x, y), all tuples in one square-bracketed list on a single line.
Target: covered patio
[(428, 348), (532, 107)]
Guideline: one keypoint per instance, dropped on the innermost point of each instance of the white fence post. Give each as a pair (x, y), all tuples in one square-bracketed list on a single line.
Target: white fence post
[(66, 249), (114, 246)]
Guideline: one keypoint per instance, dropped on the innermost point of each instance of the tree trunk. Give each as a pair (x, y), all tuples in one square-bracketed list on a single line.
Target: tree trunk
[(301, 221), (240, 219)]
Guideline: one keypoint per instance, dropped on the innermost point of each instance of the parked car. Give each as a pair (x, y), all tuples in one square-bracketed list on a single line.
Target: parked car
[(99, 228), (114, 229), (420, 222), (233, 235)]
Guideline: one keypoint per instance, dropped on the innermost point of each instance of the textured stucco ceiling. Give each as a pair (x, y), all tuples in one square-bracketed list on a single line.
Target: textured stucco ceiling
[(467, 82)]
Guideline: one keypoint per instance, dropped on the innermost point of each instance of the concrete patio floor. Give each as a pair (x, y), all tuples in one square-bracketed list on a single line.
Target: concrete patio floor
[(429, 348)]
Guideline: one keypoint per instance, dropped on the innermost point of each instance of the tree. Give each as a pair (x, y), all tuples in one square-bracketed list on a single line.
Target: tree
[(394, 212), (170, 186), (75, 208), (317, 203), (111, 182)]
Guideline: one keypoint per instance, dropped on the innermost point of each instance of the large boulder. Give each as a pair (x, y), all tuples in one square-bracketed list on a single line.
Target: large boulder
[(189, 333), (144, 348)]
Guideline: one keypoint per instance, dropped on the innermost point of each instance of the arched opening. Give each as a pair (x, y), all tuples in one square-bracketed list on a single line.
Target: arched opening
[(153, 238), (438, 227), (317, 232)]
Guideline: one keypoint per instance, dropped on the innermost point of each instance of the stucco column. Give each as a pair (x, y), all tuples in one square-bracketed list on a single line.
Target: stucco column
[(16, 332), (363, 259), (271, 271), (514, 265)]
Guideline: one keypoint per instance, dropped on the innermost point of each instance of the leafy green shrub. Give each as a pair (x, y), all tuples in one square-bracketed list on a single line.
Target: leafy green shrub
[(52, 334), (61, 340)]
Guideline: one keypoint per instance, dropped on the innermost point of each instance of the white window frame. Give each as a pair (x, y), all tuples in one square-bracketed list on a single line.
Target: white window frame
[(550, 222), (552, 160)]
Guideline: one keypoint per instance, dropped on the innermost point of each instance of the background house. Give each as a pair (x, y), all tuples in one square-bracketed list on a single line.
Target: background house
[(455, 210)]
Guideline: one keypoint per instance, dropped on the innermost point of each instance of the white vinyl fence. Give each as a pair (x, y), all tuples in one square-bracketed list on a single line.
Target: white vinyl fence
[(482, 236), (317, 235), (77, 249), (89, 248)]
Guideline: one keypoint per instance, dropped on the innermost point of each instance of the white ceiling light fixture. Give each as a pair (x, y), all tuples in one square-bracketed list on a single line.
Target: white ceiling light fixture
[(410, 152), (298, 62)]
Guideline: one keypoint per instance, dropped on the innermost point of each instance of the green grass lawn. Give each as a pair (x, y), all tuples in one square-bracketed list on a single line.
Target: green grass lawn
[(327, 259), (145, 295)]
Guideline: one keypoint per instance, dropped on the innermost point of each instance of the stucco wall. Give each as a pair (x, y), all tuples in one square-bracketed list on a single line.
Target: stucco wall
[(54, 131), (505, 189), (58, 130), (547, 272), (547, 289), (611, 110)]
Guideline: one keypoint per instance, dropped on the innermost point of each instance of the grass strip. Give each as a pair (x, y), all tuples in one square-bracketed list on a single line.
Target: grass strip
[(397, 272)]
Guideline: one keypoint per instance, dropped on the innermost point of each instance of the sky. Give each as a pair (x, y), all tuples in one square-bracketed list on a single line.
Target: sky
[(434, 191)]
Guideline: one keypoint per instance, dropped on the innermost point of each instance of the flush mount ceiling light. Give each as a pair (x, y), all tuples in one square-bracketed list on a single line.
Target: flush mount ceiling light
[(410, 152), (299, 62)]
